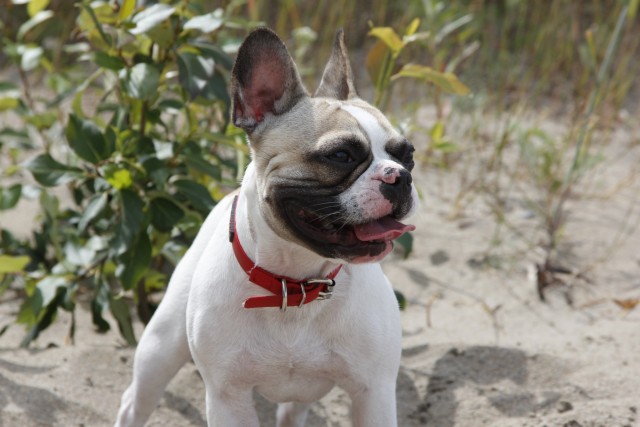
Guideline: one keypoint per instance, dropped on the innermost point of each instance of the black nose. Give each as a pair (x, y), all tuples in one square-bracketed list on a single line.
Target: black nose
[(402, 182), (399, 193)]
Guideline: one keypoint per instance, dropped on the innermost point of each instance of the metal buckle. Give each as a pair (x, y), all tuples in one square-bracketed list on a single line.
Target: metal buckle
[(304, 295), (328, 285), (285, 294)]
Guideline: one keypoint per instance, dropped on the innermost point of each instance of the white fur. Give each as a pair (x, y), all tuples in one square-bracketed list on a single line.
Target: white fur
[(293, 357)]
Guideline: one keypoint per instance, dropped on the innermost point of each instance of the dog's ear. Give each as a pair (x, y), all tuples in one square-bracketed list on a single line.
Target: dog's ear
[(337, 80), (264, 80)]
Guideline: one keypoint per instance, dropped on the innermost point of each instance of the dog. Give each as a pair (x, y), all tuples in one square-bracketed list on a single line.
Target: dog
[(282, 291)]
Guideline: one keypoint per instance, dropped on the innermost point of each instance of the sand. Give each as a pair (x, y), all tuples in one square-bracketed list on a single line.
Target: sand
[(479, 349)]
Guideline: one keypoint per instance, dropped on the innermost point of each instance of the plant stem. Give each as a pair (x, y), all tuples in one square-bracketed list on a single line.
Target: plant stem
[(600, 83), (94, 18), (556, 219), (143, 119)]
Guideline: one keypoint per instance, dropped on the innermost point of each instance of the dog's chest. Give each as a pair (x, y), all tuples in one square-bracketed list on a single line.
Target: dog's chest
[(295, 375), (288, 368)]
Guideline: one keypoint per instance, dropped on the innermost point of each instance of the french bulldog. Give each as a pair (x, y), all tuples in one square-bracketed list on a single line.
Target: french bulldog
[(282, 291)]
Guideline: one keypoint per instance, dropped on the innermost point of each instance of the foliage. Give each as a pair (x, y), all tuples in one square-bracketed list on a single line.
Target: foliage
[(442, 22), (553, 166), (139, 96), (383, 56), (122, 111)]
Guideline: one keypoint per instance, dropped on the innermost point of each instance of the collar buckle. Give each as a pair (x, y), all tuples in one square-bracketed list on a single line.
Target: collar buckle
[(285, 296), (327, 292)]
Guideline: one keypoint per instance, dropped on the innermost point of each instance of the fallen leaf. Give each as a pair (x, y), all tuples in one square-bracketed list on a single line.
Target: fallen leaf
[(627, 304)]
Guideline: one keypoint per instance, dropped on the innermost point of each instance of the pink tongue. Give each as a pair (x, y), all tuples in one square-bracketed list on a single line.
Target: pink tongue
[(385, 228)]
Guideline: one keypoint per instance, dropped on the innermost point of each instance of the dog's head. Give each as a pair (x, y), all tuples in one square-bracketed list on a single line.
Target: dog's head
[(332, 173)]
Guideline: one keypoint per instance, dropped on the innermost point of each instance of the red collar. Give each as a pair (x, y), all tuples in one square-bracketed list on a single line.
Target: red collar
[(286, 292)]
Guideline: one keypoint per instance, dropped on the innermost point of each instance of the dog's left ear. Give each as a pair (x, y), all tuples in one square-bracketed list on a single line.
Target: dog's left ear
[(337, 79), (264, 80)]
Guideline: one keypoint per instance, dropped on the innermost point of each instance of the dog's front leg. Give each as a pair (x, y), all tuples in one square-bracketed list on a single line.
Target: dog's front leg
[(375, 406), (292, 414), (231, 409)]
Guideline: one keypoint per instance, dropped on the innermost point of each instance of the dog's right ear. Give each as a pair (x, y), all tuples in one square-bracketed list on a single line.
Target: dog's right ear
[(264, 80)]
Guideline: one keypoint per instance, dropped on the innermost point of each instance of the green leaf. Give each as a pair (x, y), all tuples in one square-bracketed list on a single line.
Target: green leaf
[(205, 23), (157, 170), (87, 141), (165, 213), (633, 9), (77, 254), (136, 262), (47, 318), (197, 194), (406, 243), (50, 173), (452, 26), (9, 196), (171, 104), (29, 310), (43, 120), (389, 37), (445, 81), (130, 222), (7, 103), (141, 81), (119, 178), (197, 162), (36, 6), (13, 264), (95, 207), (48, 288), (10, 135), (375, 61), (402, 301), (4, 329), (163, 34), (150, 17), (30, 57), (196, 73), (8, 86), (99, 304), (9, 96), (126, 9), (36, 20), (212, 51), (413, 27), (437, 131), (120, 311), (107, 61), (445, 147)]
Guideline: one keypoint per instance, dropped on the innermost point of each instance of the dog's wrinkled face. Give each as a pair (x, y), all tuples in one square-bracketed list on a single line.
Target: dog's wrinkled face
[(333, 174)]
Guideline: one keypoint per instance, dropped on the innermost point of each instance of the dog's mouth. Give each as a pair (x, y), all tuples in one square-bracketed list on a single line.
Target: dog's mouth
[(329, 228)]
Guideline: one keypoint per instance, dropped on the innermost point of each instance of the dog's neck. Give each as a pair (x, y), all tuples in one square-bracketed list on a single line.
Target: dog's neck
[(266, 248)]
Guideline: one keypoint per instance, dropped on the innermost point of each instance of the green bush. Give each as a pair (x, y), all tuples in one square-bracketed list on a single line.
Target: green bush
[(130, 106)]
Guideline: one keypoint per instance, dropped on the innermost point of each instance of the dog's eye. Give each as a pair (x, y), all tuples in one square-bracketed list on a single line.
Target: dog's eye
[(340, 157)]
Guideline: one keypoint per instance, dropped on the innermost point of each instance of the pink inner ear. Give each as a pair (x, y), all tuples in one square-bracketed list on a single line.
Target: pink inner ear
[(266, 86)]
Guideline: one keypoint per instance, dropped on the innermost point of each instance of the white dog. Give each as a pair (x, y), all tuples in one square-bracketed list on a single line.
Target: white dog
[(281, 291)]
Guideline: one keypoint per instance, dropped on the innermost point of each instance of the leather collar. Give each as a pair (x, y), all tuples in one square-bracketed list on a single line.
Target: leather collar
[(286, 292)]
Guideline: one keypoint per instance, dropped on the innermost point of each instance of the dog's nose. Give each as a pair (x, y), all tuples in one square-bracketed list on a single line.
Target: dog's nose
[(404, 179), (398, 177), (395, 176), (398, 188)]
